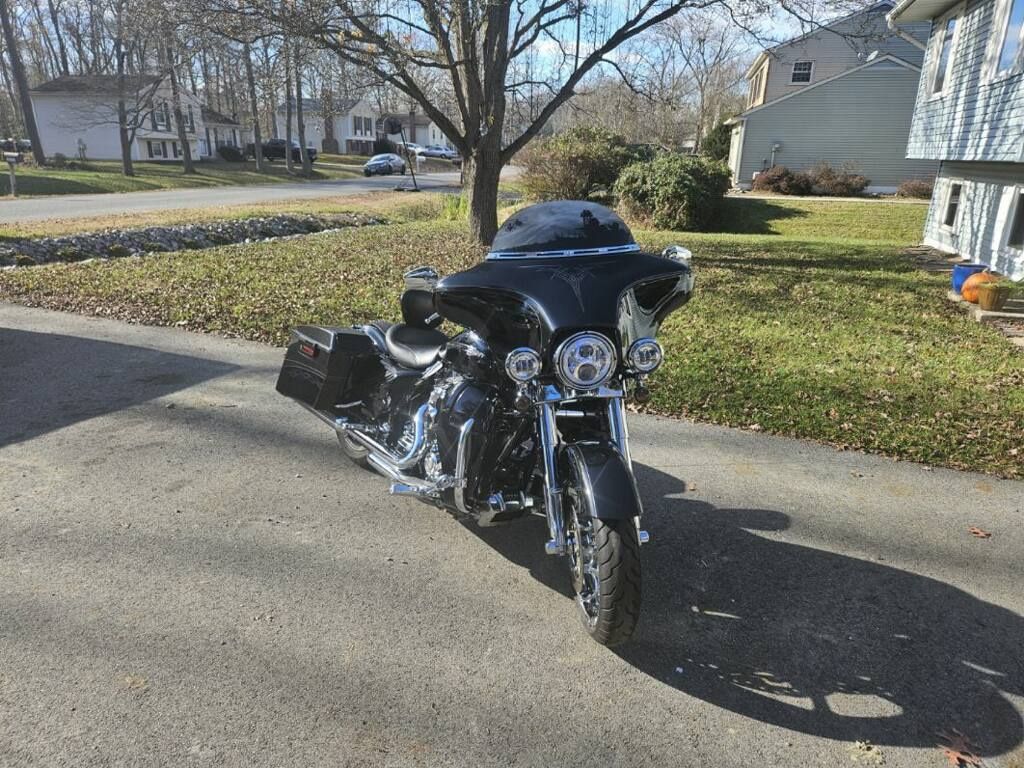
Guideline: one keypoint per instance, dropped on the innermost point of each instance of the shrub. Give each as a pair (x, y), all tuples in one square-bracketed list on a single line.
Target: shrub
[(575, 165), (382, 146), (830, 182), (674, 191), (230, 153), (59, 160), (454, 208), (716, 143), (915, 188), (782, 181)]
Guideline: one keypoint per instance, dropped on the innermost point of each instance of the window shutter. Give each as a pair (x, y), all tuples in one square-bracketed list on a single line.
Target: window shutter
[(149, 149)]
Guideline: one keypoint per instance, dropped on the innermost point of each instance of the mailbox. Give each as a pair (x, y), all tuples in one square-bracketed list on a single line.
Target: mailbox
[(12, 158)]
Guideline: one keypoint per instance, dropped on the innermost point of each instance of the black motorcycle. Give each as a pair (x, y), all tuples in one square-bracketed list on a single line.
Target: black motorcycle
[(523, 411)]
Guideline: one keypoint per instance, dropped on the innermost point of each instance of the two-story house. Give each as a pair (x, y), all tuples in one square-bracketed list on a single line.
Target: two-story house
[(969, 116), (842, 94), (78, 117), (343, 125)]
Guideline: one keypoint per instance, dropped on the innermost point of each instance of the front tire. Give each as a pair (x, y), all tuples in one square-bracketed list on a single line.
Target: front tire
[(604, 557)]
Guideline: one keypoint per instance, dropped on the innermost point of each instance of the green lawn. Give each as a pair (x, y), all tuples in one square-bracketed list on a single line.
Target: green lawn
[(105, 176), (818, 331)]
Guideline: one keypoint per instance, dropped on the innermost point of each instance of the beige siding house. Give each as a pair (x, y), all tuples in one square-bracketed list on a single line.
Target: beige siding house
[(842, 95)]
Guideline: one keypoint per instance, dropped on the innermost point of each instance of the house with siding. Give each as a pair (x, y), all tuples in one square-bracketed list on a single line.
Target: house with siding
[(77, 116), (335, 125), (842, 94), (969, 116)]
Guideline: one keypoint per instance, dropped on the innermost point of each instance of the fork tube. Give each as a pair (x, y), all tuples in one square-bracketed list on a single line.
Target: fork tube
[(548, 432), (617, 427)]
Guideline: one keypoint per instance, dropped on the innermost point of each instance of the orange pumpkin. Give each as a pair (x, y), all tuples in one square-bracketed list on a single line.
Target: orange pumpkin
[(969, 290)]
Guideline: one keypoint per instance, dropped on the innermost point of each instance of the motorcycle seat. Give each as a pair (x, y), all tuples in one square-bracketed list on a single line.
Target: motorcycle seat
[(413, 347)]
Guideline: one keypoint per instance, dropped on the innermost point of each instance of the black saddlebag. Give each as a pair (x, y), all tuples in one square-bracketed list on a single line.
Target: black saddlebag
[(324, 367)]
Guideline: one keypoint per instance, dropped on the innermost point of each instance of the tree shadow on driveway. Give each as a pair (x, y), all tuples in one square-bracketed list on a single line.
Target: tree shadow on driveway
[(803, 638), (49, 381)]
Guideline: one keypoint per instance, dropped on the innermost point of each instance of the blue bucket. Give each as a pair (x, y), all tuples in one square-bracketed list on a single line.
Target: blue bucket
[(962, 271)]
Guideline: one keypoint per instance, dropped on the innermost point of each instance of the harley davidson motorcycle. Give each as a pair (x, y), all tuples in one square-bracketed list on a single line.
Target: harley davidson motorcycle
[(521, 412)]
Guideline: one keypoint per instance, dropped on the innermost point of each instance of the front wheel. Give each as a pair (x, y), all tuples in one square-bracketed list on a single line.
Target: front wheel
[(605, 559)]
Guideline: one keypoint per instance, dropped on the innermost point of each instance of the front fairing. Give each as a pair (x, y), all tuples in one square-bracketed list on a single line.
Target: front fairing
[(535, 302)]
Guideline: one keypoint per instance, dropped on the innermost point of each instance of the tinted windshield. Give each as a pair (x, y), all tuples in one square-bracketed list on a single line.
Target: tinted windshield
[(563, 228), (380, 158)]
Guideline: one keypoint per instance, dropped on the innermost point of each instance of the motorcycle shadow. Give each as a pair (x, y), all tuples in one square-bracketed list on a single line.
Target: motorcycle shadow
[(803, 638)]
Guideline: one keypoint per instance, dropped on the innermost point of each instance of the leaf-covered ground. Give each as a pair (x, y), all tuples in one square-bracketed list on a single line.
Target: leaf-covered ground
[(810, 333)]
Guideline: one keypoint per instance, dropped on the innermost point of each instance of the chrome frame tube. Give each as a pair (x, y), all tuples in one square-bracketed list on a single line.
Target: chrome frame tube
[(460, 466), (547, 430)]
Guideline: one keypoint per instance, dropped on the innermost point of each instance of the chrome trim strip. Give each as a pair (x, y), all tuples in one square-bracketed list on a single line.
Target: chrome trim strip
[(565, 254), (460, 467)]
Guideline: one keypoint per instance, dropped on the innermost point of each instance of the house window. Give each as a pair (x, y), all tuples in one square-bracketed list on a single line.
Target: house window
[(1015, 239), (1009, 20), (944, 56), (756, 87), (174, 148), (956, 191), (156, 148), (191, 120), (802, 72)]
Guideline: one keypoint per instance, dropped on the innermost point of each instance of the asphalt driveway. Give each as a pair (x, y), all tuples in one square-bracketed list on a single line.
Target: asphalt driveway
[(192, 574)]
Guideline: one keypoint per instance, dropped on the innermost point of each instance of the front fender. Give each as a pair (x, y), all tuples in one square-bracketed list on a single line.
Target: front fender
[(603, 475)]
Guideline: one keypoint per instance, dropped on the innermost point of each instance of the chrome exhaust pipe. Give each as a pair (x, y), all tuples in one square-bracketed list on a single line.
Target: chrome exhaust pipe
[(421, 422)]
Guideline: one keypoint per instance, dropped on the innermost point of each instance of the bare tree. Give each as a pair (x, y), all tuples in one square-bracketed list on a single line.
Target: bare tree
[(21, 83), (176, 103)]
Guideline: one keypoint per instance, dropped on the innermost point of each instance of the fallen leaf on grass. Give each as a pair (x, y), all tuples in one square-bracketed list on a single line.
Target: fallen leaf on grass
[(979, 532), (958, 749)]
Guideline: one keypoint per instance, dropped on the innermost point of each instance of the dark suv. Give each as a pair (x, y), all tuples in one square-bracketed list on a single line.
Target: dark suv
[(273, 149)]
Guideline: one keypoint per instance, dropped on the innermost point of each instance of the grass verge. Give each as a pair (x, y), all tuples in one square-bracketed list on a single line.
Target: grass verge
[(811, 336), (99, 176)]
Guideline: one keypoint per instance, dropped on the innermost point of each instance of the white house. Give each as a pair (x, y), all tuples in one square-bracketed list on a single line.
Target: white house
[(219, 131), (77, 117), (343, 125)]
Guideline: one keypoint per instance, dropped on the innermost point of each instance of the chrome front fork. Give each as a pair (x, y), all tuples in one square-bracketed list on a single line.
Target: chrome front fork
[(547, 429)]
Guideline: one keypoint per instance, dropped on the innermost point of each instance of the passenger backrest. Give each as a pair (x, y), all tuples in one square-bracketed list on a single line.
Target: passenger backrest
[(418, 309)]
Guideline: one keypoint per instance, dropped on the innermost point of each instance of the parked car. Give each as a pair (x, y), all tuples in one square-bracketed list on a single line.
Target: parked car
[(410, 147), (16, 145), (436, 150), (384, 164), (273, 149)]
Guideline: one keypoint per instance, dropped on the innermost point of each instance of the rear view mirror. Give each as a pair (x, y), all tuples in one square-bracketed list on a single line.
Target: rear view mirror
[(678, 253)]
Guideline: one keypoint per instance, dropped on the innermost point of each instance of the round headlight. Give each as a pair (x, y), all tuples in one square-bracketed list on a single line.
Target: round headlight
[(645, 355), (522, 364), (585, 360)]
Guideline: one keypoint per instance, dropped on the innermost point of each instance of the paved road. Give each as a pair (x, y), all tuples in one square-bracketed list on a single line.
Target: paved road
[(191, 574), (77, 206)]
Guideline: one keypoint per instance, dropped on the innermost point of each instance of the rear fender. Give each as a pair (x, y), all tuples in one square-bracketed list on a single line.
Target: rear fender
[(605, 477)]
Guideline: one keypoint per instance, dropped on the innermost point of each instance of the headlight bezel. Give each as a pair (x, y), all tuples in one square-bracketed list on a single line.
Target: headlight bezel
[(572, 345), (638, 348), (522, 354)]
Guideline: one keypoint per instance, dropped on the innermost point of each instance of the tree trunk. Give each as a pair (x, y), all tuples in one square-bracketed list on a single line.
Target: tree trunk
[(254, 107), (127, 168), (288, 105), (482, 171), (55, 19), (21, 84), (179, 118), (307, 166)]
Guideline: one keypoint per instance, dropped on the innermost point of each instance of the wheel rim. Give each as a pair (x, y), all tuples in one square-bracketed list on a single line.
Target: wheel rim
[(583, 558)]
